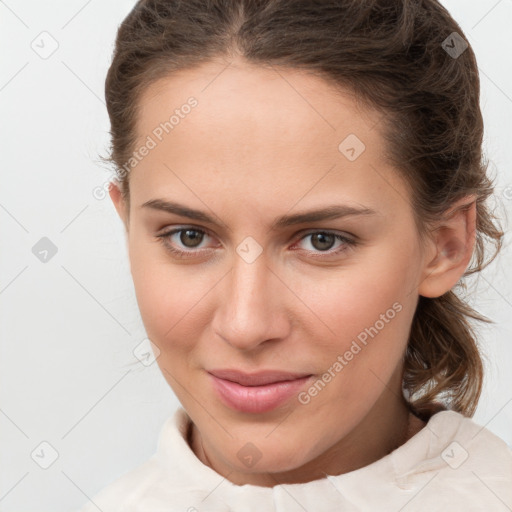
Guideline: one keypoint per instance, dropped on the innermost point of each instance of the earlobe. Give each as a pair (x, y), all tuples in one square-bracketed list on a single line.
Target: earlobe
[(453, 241)]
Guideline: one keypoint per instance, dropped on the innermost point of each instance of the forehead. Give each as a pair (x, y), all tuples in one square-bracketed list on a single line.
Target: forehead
[(253, 129), (243, 101)]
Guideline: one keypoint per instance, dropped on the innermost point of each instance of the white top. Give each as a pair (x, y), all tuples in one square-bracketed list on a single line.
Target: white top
[(452, 464)]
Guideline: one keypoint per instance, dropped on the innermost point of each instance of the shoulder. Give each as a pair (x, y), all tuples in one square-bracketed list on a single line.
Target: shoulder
[(451, 431), (460, 463)]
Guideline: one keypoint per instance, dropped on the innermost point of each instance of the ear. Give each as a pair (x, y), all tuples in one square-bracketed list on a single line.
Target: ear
[(449, 249), (120, 203)]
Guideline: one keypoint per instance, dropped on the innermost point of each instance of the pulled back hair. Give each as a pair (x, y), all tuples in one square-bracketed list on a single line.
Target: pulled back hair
[(390, 54)]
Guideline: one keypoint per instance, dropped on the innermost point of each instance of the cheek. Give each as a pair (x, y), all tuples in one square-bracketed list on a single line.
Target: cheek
[(359, 362), (166, 293), (352, 299), (366, 311), (369, 330)]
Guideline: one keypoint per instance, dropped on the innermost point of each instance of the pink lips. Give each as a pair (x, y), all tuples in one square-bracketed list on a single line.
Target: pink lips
[(259, 392)]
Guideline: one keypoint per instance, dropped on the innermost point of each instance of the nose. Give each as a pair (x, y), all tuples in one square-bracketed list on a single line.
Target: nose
[(251, 305)]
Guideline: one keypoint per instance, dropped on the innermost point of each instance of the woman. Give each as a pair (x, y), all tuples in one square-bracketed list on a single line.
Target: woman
[(303, 190)]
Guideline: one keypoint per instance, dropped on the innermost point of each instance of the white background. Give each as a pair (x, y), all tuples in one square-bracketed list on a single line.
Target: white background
[(69, 326)]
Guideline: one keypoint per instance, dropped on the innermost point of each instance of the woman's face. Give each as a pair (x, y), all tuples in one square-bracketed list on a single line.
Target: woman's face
[(264, 282)]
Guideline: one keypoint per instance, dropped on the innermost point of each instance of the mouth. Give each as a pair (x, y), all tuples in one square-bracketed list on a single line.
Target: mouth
[(259, 392)]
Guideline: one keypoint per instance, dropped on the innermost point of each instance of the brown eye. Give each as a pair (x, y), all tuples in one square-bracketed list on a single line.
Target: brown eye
[(184, 242), (322, 241), (325, 243), (191, 237)]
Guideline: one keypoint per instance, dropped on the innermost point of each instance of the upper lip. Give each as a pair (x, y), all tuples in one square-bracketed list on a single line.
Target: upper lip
[(258, 378)]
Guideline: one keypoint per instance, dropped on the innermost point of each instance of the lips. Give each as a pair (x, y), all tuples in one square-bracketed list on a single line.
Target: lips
[(258, 392), (260, 378)]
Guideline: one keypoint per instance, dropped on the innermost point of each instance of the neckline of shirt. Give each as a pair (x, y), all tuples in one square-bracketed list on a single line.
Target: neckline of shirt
[(419, 453)]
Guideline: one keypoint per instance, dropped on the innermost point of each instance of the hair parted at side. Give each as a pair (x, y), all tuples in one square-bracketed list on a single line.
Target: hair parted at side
[(389, 54)]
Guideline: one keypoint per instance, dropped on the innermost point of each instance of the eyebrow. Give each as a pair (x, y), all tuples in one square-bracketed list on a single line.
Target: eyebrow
[(334, 211)]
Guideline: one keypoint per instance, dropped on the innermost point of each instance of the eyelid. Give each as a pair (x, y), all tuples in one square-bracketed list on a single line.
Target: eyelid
[(347, 241), (297, 236), (182, 227), (310, 231)]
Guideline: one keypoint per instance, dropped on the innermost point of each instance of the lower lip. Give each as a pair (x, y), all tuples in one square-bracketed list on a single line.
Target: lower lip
[(257, 399)]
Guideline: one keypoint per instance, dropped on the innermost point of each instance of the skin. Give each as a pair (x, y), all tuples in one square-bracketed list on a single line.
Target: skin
[(261, 144)]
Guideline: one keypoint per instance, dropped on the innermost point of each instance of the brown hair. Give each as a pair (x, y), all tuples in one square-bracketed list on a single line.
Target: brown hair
[(393, 55)]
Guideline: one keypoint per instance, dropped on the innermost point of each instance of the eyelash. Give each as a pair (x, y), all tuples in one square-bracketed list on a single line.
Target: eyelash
[(164, 239)]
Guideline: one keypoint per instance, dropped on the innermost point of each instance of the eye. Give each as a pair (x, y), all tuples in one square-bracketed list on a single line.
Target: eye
[(183, 242), (323, 242)]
